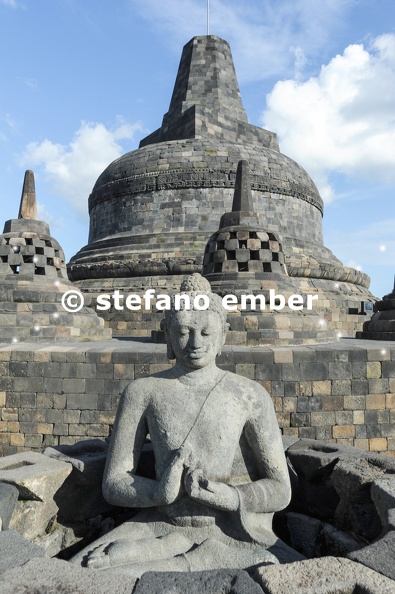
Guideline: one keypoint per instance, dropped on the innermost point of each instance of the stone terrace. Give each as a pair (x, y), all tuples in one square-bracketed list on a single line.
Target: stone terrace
[(59, 394)]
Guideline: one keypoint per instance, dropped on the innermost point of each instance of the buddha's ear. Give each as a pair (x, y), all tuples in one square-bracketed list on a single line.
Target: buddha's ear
[(164, 328), (224, 332)]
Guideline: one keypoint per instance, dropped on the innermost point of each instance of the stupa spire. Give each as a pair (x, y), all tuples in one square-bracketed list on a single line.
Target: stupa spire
[(242, 212), (206, 101), (28, 206), (242, 199)]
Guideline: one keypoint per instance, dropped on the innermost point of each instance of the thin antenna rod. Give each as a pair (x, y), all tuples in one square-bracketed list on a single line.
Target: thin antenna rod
[(208, 17)]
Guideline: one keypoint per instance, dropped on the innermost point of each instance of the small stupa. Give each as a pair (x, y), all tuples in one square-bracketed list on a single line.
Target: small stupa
[(244, 258), (381, 326), (33, 280)]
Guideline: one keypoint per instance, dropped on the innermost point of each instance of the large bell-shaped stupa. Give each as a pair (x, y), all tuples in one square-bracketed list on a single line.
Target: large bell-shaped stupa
[(153, 209)]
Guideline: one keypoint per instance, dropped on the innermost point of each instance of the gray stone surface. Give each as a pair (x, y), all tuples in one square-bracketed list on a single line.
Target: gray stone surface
[(380, 555), (52, 576), (383, 496), (16, 550), (329, 575), (80, 496), (225, 581), (37, 479), (356, 512), (382, 324), (38, 390), (8, 500), (337, 542), (304, 532), (220, 467)]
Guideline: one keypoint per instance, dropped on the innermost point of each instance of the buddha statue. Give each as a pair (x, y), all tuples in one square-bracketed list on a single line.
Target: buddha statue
[(220, 469)]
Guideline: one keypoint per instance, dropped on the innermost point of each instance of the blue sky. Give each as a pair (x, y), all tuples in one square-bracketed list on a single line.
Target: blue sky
[(83, 81)]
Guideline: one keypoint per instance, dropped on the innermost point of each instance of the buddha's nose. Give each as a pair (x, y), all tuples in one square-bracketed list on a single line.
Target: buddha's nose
[(195, 340)]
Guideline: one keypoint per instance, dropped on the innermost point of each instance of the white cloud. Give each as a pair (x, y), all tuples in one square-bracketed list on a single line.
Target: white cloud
[(268, 38), (73, 169), (11, 3), (44, 215), (342, 120)]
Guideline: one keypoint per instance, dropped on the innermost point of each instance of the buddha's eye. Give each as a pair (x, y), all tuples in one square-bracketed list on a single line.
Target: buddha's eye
[(206, 332)]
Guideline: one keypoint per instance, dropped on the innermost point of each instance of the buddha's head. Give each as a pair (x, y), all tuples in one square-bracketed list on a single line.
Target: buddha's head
[(195, 336)]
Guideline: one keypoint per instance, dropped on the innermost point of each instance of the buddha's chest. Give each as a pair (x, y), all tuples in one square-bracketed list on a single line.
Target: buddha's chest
[(209, 424)]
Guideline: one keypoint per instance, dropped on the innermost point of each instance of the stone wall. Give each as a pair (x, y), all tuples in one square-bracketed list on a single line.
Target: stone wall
[(342, 392)]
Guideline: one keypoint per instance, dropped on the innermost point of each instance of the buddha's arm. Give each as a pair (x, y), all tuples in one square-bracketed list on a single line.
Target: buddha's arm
[(272, 492), (121, 486)]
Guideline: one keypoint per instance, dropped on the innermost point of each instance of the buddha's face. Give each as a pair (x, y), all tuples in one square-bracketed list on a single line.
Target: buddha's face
[(196, 337)]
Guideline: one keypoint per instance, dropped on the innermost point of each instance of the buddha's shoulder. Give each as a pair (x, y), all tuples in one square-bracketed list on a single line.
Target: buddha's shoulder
[(245, 388), (148, 386)]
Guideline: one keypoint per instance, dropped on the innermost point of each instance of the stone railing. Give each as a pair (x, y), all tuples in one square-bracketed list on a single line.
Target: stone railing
[(57, 395)]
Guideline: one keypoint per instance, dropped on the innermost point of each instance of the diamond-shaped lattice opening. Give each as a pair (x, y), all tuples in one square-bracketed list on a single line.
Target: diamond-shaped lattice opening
[(15, 269), (29, 241), (40, 250), (50, 261), (39, 270), (48, 243), (242, 266)]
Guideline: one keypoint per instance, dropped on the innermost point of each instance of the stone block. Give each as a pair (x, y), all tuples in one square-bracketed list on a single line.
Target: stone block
[(304, 532), (373, 369), (356, 512), (243, 255), (378, 444), (383, 496), (80, 497), (231, 244), (53, 575), (314, 371), (339, 370), (379, 556), (337, 542), (37, 479), (8, 500), (375, 401), (329, 575), (16, 551), (332, 403), (343, 431), (255, 266), (265, 256), (226, 581)]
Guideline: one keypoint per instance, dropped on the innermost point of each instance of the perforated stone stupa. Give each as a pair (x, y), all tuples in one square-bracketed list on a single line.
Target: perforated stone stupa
[(244, 259), (382, 325), (33, 278), (153, 209)]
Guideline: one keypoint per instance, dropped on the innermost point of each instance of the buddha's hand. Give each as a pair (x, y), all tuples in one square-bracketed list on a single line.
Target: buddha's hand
[(171, 483), (211, 493)]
